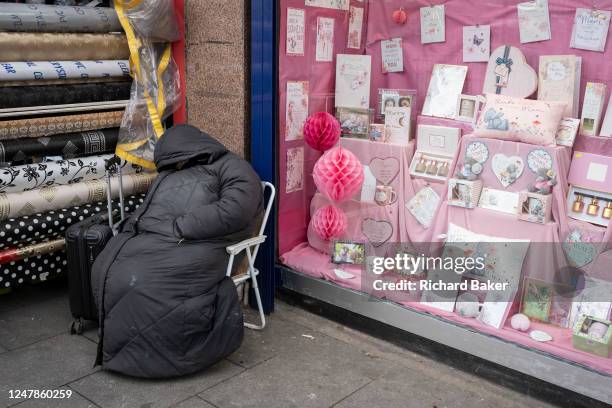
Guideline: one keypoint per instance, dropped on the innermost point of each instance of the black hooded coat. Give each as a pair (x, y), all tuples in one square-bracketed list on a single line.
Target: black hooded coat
[(166, 308)]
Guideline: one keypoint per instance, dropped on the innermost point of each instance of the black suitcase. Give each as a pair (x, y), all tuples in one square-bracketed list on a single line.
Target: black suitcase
[(84, 242)]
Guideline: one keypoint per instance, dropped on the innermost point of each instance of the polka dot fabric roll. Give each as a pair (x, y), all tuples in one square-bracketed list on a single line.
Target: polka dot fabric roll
[(37, 268)]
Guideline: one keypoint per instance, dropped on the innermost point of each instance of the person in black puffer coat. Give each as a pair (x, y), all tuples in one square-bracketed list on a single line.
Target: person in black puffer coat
[(166, 307)]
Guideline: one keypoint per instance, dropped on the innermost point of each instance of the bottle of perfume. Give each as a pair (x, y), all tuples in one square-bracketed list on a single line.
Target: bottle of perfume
[(421, 165), (593, 208), (432, 168), (578, 205), (607, 212), (443, 172)]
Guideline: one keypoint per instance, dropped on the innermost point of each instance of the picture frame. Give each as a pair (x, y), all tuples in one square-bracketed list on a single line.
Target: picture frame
[(534, 207), (464, 193), (354, 122), (445, 86), (499, 200), (395, 98), (468, 107), (348, 252)]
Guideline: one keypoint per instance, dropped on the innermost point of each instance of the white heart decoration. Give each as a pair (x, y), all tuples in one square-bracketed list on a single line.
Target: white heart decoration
[(507, 169), (377, 232), (385, 170)]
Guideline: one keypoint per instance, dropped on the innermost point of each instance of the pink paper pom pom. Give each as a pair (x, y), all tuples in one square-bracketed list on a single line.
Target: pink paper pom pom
[(329, 222), (321, 131), (338, 174)]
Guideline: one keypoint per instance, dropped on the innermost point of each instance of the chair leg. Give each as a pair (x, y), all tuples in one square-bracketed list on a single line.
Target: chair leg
[(257, 296)]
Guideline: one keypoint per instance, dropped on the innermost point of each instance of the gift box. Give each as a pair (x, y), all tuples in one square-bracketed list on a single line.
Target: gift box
[(534, 207), (436, 147), (592, 334), (464, 193), (590, 195)]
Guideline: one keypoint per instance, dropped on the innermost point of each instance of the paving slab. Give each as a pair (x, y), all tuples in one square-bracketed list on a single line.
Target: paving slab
[(111, 390), (37, 321), (193, 402), (29, 294), (45, 365)]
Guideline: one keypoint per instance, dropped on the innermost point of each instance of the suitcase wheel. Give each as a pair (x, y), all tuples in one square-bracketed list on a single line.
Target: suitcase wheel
[(76, 327)]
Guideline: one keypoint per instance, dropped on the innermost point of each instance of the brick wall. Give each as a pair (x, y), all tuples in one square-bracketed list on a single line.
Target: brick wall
[(217, 70)]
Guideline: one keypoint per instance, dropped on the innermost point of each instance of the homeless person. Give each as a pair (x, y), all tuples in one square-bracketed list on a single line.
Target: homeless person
[(166, 308)]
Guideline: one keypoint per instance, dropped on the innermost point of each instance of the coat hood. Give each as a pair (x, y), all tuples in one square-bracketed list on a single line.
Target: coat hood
[(186, 142)]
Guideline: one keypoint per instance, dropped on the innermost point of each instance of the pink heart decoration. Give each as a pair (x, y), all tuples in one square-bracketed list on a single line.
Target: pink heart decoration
[(385, 170), (329, 222), (377, 232), (338, 174)]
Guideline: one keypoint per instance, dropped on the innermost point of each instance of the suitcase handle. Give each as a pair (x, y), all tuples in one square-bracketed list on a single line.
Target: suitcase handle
[(113, 165)]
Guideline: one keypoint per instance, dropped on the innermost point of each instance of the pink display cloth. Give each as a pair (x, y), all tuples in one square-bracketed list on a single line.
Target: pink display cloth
[(314, 263)]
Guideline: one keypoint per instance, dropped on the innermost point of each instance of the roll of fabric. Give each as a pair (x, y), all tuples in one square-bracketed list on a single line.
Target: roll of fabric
[(40, 227), (41, 70), (56, 197), (43, 18), (67, 145), (34, 82), (15, 179), (53, 47), (22, 96), (33, 269), (56, 125), (43, 248)]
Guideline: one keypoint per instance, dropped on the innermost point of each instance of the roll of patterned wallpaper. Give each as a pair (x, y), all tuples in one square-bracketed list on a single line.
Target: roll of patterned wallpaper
[(42, 70), (54, 47), (56, 197), (42, 248), (56, 125), (43, 18), (66, 145), (15, 179), (31, 229), (22, 96), (34, 269)]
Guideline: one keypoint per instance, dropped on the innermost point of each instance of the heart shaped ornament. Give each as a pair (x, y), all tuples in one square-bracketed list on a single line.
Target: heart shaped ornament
[(385, 170), (377, 232), (508, 73), (507, 169)]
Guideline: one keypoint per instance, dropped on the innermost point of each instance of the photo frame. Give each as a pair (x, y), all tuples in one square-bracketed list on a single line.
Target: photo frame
[(348, 252), (499, 200), (355, 123), (534, 207), (468, 107), (395, 98)]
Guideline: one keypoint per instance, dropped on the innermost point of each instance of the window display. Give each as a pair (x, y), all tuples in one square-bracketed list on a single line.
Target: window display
[(446, 176)]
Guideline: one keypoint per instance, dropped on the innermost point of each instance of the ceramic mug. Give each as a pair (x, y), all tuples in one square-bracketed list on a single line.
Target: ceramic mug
[(385, 195)]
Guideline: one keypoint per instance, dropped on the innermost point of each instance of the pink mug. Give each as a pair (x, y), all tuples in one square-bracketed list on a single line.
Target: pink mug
[(385, 195)]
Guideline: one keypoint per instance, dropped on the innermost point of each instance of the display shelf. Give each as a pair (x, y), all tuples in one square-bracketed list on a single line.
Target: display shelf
[(544, 366)]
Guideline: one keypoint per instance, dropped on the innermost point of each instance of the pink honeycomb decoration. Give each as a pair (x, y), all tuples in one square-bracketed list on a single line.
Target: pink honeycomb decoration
[(338, 174), (321, 131), (329, 222)]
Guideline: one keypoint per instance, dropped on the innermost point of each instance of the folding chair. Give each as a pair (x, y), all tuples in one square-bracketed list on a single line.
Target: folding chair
[(251, 246)]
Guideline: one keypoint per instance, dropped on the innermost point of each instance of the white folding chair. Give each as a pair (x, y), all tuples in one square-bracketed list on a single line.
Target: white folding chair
[(251, 246)]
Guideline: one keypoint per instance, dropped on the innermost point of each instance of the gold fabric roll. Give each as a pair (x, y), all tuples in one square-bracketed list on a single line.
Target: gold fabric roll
[(56, 47), (55, 125)]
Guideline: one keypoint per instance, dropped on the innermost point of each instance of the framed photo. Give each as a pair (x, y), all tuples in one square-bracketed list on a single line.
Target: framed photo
[(534, 207), (499, 200), (395, 98), (467, 108), (346, 252), (355, 122)]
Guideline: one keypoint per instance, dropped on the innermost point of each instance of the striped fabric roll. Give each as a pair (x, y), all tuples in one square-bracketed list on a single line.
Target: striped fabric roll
[(66, 145), (56, 197), (42, 70), (54, 47), (56, 125)]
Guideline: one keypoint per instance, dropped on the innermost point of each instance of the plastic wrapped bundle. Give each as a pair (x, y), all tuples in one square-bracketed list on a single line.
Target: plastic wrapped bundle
[(154, 20), (47, 18)]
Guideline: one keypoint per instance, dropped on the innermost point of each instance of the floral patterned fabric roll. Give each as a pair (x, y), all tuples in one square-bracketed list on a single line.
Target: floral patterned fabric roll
[(56, 197), (15, 179), (56, 125)]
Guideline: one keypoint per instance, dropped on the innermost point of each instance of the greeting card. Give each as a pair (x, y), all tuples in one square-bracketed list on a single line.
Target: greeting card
[(534, 21), (593, 300), (592, 108), (568, 129), (397, 125), (295, 169), (353, 81), (433, 26), (559, 80), (445, 86), (295, 31), (355, 28), (325, 39), (392, 55), (332, 4), (296, 109), (590, 30), (423, 206), (476, 43)]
